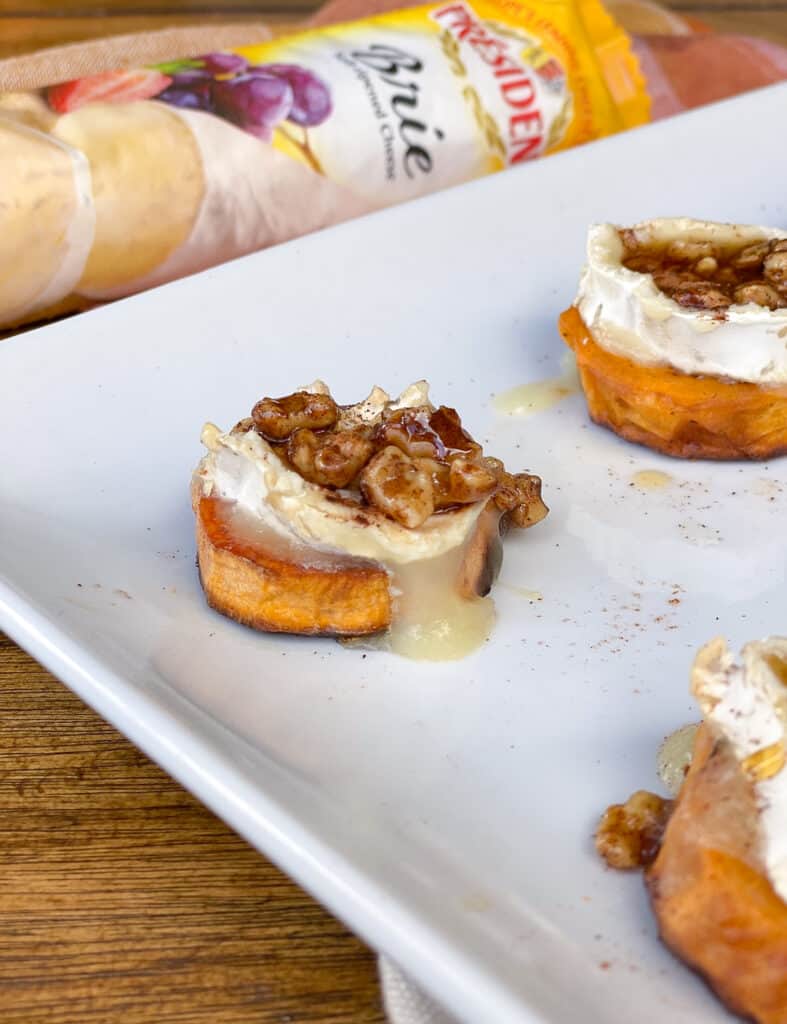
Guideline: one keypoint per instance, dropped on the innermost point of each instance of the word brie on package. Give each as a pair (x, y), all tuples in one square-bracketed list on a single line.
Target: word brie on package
[(127, 179)]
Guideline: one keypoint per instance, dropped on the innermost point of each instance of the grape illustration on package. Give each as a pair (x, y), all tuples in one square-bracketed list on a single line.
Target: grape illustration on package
[(161, 171)]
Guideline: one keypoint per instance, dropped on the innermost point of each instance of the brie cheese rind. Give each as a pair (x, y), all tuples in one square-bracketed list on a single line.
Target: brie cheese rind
[(631, 317), (395, 532), (242, 467), (745, 703)]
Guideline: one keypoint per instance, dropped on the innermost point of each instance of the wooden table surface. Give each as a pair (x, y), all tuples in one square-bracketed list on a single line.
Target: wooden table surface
[(121, 898)]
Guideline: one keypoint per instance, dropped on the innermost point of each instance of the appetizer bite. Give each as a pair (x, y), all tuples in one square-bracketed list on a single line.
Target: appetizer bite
[(717, 859), (680, 334), (380, 517)]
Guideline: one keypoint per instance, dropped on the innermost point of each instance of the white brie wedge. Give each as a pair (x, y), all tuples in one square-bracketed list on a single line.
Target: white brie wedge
[(629, 316)]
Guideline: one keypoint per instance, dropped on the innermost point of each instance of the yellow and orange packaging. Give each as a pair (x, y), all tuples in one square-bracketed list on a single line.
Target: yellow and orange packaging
[(126, 179)]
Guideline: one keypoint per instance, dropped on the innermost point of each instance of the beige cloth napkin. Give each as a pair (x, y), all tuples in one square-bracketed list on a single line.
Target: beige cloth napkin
[(404, 1002), (115, 53)]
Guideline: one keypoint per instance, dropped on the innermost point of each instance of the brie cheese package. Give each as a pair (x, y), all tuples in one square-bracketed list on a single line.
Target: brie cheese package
[(163, 170)]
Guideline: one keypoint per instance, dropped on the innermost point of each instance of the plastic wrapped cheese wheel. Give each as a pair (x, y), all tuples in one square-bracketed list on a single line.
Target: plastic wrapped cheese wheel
[(46, 220), (148, 187)]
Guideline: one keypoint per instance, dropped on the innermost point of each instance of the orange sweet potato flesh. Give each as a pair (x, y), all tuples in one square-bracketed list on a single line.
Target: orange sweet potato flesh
[(715, 908), (673, 412), (259, 589)]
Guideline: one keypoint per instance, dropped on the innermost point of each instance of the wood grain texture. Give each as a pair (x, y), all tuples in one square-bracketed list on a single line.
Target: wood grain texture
[(121, 898), (124, 900), (20, 34)]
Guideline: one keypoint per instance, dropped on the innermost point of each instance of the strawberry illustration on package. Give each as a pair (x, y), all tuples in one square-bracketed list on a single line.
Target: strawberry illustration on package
[(109, 87)]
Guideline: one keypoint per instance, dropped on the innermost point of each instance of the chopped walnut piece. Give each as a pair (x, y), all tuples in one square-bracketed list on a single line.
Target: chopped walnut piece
[(698, 275), (757, 291), (494, 465), (707, 266), (441, 487), (411, 432), (333, 460), (672, 279), (426, 433), (751, 257), (399, 487), (629, 239), (701, 295), (469, 481), (447, 425), (643, 263), (408, 461), (629, 835), (775, 267), (519, 495), (277, 418), (685, 250)]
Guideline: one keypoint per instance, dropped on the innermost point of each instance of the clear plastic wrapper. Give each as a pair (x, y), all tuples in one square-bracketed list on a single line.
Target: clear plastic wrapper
[(129, 177)]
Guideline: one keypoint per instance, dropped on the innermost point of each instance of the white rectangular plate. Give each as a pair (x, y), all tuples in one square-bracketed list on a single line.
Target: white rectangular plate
[(444, 811)]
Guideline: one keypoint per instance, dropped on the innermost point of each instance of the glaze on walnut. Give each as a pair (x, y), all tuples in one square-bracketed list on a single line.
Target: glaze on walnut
[(398, 486), (629, 835), (412, 463), (332, 460), (710, 277), (519, 496), (277, 418)]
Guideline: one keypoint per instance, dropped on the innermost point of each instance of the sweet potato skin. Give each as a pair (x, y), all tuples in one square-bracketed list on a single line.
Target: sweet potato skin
[(258, 589), (676, 413), (715, 908)]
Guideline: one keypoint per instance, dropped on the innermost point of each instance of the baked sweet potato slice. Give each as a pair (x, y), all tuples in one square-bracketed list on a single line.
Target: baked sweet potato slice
[(259, 588), (256, 586), (673, 412), (716, 909)]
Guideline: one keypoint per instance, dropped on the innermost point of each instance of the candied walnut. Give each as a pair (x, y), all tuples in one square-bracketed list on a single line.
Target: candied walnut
[(751, 257), (243, 426), (441, 485), (701, 295), (629, 835), (757, 291), (277, 418), (447, 425), (426, 433), (707, 266), (469, 481), (399, 487), (671, 279), (727, 275), (333, 460), (411, 432), (684, 250), (643, 263), (629, 239), (775, 268), (519, 496)]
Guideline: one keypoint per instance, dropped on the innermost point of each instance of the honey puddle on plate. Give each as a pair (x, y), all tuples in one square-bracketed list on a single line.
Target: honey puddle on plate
[(528, 399), (432, 621), (529, 595), (651, 480)]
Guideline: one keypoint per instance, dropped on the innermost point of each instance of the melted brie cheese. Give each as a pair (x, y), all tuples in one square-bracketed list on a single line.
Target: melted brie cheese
[(431, 620), (746, 702), (630, 317)]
